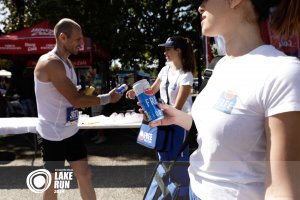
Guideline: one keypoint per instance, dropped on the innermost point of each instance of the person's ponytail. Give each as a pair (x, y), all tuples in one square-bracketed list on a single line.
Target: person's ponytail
[(286, 20), (188, 56)]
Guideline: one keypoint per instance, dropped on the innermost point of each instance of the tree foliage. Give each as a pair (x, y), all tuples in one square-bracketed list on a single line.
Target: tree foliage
[(129, 30), (21, 14)]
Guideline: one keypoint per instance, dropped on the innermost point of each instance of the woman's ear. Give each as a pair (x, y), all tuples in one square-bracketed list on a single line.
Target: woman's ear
[(179, 51), (235, 3)]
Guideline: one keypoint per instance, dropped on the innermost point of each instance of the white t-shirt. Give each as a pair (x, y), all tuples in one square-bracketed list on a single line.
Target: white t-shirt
[(230, 114), (176, 79)]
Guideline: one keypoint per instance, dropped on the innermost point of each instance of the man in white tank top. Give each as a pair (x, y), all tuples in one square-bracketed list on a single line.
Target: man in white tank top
[(57, 102)]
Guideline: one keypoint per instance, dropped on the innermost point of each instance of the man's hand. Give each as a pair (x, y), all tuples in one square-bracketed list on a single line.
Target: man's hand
[(114, 97)]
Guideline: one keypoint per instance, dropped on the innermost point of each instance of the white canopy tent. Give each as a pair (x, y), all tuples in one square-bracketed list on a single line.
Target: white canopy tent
[(5, 73)]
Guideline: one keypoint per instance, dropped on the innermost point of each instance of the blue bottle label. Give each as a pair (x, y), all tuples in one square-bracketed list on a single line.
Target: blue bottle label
[(150, 106)]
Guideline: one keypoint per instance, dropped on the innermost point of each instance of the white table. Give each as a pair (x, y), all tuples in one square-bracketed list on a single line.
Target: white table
[(110, 126), (21, 125), (17, 125), (116, 122)]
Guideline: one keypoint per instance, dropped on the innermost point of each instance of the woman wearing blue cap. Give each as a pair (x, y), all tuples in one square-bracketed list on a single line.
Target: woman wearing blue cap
[(178, 72), (174, 82), (248, 115)]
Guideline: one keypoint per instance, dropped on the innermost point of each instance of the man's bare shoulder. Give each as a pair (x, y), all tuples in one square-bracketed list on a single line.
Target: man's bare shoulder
[(48, 60), (46, 65)]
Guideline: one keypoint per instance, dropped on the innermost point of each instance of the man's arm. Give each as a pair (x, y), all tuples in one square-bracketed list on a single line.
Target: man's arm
[(57, 75)]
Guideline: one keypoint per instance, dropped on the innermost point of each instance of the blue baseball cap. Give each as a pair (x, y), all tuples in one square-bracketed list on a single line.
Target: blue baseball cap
[(168, 43), (171, 42)]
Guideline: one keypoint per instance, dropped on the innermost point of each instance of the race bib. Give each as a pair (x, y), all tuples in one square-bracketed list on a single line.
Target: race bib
[(71, 116)]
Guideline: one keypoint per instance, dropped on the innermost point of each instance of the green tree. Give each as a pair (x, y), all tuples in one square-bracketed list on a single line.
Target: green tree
[(129, 30), (21, 14), (145, 24)]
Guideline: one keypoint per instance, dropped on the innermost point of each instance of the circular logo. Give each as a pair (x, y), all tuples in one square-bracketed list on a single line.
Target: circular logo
[(148, 91), (39, 180)]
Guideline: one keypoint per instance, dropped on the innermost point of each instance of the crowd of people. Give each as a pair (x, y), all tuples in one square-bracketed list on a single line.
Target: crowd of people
[(4, 84), (17, 95), (92, 79)]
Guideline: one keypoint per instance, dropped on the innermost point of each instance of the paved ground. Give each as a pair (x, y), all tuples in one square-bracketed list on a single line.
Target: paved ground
[(121, 168)]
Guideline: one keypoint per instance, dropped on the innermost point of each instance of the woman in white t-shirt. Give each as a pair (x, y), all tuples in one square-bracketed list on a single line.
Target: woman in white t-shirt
[(248, 115), (178, 72)]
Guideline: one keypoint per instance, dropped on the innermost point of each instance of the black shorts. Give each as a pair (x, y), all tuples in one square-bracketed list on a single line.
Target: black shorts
[(55, 153)]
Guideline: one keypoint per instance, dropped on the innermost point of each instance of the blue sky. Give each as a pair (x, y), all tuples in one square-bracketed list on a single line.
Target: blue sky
[(1, 17)]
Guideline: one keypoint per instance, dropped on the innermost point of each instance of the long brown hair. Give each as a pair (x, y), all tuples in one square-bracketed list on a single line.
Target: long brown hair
[(286, 18), (187, 53)]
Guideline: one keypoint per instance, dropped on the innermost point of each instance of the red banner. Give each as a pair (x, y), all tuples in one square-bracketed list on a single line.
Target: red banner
[(77, 62), (38, 39)]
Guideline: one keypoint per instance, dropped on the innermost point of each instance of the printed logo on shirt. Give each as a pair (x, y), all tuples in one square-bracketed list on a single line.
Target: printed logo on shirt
[(226, 102)]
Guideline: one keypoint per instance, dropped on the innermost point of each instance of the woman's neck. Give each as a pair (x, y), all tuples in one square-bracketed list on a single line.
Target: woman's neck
[(176, 65), (243, 40)]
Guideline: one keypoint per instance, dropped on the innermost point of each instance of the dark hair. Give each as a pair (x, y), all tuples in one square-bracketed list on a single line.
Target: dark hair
[(187, 53), (286, 19), (262, 7), (65, 26)]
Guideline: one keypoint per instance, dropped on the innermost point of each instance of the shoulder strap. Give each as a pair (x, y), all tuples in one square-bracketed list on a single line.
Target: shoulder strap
[(209, 71), (167, 86), (190, 136)]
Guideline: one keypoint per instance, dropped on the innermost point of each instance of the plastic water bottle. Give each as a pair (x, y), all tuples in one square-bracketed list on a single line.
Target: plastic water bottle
[(122, 89), (147, 100)]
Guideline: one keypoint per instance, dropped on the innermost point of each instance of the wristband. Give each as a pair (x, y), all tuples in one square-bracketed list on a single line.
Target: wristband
[(104, 99)]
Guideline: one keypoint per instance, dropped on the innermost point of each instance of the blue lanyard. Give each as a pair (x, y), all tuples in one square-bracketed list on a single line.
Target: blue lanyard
[(175, 83)]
